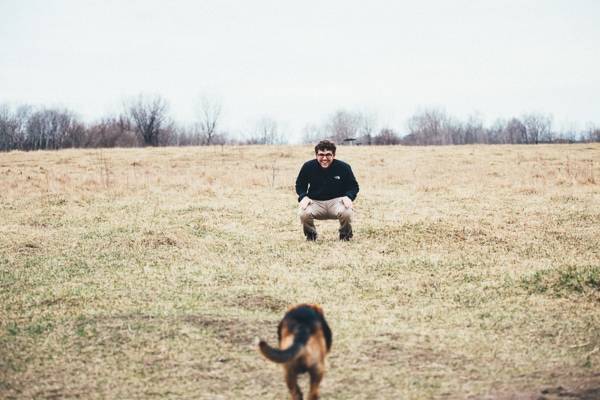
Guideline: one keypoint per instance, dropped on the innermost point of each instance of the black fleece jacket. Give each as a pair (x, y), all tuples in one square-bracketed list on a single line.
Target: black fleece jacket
[(320, 183)]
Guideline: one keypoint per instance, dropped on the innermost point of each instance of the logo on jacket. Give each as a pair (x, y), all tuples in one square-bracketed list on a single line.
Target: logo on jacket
[(336, 177)]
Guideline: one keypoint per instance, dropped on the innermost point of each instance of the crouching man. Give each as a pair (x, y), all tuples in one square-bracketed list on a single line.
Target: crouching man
[(326, 188)]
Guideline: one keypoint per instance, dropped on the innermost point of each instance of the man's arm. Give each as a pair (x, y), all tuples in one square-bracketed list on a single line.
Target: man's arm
[(302, 183), (352, 185)]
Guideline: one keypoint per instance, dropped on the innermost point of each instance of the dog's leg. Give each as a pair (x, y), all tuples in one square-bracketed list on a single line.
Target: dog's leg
[(316, 375), (291, 380)]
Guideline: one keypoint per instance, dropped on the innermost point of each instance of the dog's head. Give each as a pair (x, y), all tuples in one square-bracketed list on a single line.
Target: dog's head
[(315, 307)]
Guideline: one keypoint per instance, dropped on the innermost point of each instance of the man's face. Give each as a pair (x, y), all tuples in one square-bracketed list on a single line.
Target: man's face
[(325, 158)]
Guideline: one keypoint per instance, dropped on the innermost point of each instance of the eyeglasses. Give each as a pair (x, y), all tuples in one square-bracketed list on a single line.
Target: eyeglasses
[(324, 155)]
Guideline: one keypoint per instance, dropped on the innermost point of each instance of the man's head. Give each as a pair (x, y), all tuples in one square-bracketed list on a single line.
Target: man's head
[(325, 153)]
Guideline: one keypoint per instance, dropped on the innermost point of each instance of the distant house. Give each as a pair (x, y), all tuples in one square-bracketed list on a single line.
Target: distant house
[(350, 141)]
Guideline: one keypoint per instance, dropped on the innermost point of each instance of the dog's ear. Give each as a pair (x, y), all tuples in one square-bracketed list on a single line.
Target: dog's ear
[(317, 308)]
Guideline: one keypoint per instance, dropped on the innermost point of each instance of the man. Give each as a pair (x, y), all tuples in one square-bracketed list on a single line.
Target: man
[(326, 188)]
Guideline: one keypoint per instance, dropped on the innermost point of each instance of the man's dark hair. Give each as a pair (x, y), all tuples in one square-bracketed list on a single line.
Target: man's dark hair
[(325, 145)]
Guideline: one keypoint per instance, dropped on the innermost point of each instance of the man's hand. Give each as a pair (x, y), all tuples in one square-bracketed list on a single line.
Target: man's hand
[(347, 202), (305, 202)]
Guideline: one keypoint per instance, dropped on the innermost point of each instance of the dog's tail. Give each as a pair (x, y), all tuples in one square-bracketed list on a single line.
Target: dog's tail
[(282, 356)]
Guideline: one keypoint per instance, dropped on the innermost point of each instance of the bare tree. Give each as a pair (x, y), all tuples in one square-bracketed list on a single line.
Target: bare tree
[(267, 132), (539, 127), (430, 127), (343, 125), (13, 127), (454, 132), (113, 132), (75, 135), (40, 131), (50, 128), (515, 132), (311, 134), (473, 129), (22, 115), (386, 136), (185, 136), (367, 125), (8, 128), (209, 113), (495, 134), (149, 116), (592, 133), (566, 136)]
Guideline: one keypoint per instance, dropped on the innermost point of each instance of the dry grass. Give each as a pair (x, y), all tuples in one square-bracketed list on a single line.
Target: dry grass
[(474, 273)]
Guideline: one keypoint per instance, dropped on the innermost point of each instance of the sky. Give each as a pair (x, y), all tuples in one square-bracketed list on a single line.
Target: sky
[(297, 62)]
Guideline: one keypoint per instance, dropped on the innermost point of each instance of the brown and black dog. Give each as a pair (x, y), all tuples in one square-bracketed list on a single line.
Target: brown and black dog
[(304, 340)]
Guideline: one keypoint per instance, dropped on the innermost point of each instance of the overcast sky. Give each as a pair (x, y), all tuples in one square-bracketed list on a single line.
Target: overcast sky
[(299, 61)]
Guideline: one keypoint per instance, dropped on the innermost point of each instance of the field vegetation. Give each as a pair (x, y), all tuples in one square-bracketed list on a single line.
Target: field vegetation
[(474, 272)]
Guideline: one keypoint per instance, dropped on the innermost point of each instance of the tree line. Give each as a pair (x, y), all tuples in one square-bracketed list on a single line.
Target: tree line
[(435, 127), (145, 121)]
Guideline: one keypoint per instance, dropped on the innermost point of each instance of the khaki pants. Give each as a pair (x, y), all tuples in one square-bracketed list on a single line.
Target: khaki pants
[(326, 209)]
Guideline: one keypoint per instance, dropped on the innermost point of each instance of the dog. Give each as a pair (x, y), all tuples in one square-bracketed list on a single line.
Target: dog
[(304, 341)]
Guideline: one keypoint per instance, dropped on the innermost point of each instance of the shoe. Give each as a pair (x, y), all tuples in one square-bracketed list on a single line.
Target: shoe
[(346, 236), (311, 236)]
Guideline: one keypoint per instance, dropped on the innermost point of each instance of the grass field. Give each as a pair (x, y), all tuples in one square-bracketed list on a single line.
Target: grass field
[(474, 273)]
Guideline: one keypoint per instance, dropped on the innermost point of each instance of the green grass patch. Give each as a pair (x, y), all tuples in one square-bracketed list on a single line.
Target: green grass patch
[(564, 281)]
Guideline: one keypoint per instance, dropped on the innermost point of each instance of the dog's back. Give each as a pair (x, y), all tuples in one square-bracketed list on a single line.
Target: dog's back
[(304, 340)]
